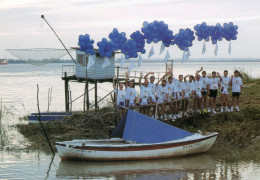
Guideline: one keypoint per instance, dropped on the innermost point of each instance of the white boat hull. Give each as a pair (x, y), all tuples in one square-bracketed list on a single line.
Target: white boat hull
[(101, 150)]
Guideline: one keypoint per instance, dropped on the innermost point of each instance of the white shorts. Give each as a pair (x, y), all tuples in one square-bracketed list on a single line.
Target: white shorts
[(179, 96), (131, 103), (187, 95), (198, 94), (161, 100), (225, 91), (153, 98), (144, 102)]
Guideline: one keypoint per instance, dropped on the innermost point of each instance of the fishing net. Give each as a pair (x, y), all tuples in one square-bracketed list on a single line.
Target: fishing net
[(39, 56)]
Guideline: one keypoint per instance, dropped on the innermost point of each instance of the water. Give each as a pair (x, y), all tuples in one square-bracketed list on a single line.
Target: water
[(18, 92)]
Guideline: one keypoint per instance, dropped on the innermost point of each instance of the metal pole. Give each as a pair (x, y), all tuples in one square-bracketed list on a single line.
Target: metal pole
[(117, 74), (42, 16)]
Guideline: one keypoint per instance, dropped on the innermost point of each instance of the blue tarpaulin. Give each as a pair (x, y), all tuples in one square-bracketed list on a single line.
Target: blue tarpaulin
[(140, 128)]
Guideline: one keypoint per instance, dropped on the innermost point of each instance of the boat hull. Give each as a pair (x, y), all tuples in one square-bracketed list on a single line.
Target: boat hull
[(135, 151), (45, 117)]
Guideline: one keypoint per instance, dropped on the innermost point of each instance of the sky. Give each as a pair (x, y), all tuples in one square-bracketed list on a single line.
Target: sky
[(21, 26)]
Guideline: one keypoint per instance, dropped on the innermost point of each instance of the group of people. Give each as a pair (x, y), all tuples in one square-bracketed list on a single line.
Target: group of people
[(177, 93)]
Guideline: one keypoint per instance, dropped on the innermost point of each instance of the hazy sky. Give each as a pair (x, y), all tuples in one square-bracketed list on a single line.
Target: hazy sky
[(22, 27)]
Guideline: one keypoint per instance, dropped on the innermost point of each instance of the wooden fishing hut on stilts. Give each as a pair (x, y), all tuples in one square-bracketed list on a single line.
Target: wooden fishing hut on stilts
[(95, 75)]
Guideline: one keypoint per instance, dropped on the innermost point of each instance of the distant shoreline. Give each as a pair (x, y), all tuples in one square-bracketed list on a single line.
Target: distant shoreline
[(13, 61)]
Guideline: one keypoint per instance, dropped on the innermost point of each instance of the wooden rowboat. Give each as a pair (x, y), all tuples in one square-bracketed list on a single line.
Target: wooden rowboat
[(138, 137), (34, 117)]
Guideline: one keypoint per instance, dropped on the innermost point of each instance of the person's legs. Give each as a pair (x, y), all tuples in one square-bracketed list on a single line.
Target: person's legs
[(226, 103), (205, 96), (222, 99)]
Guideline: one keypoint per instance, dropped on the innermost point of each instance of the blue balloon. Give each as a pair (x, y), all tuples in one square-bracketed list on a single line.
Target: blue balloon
[(157, 31), (86, 44), (106, 48), (138, 37), (216, 33), (118, 39), (202, 31), (130, 49), (230, 31), (184, 39)]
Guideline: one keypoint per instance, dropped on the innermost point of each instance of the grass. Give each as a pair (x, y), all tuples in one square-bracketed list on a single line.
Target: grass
[(238, 131)]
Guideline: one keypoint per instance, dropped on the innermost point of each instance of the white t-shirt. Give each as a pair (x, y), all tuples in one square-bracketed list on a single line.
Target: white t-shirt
[(190, 86), (213, 83), (179, 86), (236, 83), (121, 95), (130, 93), (198, 86), (171, 90), (162, 91), (152, 87), (145, 92), (204, 81), (225, 82)]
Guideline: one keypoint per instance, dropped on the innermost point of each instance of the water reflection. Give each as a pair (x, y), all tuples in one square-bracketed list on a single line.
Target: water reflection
[(177, 168)]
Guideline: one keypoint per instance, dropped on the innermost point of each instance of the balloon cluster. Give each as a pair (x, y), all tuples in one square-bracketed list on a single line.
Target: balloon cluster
[(184, 39), (203, 31), (106, 48), (216, 33), (117, 38), (158, 31), (130, 49), (230, 31), (86, 44), (139, 40)]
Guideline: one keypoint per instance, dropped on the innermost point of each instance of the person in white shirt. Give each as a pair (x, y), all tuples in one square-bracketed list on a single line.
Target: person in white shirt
[(224, 88), (163, 97), (120, 96), (145, 95), (130, 92), (198, 88), (213, 84), (180, 93), (190, 91), (204, 79), (236, 90), (172, 97), (171, 94), (152, 87)]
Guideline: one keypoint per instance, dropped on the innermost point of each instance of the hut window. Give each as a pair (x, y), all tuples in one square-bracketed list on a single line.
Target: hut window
[(80, 59)]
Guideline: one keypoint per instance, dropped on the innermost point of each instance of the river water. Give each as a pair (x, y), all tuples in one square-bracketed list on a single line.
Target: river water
[(18, 88)]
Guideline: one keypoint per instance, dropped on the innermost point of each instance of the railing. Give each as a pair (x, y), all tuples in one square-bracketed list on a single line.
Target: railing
[(69, 69)]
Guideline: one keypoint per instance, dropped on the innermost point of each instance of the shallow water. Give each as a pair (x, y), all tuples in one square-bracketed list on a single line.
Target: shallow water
[(18, 93)]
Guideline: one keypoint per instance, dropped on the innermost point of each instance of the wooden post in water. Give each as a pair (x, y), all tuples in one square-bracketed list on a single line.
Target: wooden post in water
[(66, 84), (96, 94)]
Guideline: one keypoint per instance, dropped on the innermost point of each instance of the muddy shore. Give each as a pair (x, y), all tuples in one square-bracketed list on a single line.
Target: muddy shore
[(238, 131)]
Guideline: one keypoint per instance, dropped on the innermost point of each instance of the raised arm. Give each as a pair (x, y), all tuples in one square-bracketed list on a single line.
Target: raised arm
[(198, 71), (140, 79), (218, 75), (145, 77)]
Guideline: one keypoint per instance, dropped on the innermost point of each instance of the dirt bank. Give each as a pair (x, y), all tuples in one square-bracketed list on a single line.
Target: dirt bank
[(238, 131)]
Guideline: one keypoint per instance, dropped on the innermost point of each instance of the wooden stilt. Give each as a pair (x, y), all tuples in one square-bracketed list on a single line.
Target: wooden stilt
[(66, 84), (96, 94), (87, 95)]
